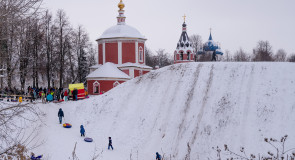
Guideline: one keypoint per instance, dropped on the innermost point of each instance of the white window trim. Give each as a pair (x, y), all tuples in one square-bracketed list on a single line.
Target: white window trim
[(96, 84), (140, 54), (136, 52)]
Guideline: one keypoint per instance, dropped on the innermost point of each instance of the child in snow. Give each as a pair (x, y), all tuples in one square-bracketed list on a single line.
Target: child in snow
[(36, 158), (43, 97), (60, 115), (82, 131), (110, 144), (158, 156), (66, 95)]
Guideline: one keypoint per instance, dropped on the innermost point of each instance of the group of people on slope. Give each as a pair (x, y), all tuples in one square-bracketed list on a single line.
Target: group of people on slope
[(60, 115), (61, 94)]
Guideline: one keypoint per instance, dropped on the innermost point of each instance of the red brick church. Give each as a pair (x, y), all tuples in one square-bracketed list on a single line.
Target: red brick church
[(121, 53)]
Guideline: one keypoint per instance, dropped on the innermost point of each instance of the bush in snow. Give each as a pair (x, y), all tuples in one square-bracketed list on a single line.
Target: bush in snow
[(279, 153)]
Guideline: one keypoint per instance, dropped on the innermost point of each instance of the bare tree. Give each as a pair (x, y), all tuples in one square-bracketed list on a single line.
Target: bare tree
[(49, 36), (81, 41), (241, 56), (227, 56), (163, 58), (12, 134), (280, 56), (62, 25), (263, 51), (12, 13), (291, 58), (196, 43), (92, 56), (150, 59)]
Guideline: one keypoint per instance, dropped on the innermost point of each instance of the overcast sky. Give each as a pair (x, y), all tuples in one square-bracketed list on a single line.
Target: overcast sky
[(235, 23)]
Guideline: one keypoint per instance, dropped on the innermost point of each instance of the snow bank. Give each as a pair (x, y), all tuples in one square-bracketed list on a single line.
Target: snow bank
[(203, 104)]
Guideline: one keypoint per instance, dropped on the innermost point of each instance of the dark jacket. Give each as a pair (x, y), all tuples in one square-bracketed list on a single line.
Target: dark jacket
[(75, 92), (110, 141), (60, 113), (82, 130), (158, 156)]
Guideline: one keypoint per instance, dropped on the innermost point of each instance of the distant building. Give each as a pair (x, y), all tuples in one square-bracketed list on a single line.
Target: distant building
[(210, 48), (184, 51), (122, 45)]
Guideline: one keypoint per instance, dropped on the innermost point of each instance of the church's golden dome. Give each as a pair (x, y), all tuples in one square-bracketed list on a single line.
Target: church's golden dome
[(121, 5)]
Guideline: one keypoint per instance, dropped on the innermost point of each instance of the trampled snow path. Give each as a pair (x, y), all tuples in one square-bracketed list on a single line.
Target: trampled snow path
[(203, 104)]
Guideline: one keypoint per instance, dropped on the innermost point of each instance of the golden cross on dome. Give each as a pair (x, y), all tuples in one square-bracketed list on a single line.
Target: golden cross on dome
[(184, 17)]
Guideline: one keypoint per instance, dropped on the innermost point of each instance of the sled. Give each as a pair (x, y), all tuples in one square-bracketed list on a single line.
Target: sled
[(67, 125), (37, 158), (56, 101), (87, 139), (49, 97)]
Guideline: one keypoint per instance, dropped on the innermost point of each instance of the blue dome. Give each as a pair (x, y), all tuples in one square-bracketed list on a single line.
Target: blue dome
[(210, 45)]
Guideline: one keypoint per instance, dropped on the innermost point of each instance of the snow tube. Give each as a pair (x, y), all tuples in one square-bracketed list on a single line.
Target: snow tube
[(49, 97), (67, 125), (88, 139)]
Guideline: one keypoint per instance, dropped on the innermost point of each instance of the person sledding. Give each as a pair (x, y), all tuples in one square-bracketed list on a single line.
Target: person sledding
[(36, 158), (82, 131), (158, 156), (60, 115), (110, 144)]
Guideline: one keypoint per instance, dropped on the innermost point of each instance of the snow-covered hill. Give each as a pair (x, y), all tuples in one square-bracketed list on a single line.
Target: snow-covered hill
[(203, 104)]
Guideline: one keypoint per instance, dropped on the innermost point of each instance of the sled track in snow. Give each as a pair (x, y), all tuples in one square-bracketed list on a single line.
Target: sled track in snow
[(200, 115), (188, 105)]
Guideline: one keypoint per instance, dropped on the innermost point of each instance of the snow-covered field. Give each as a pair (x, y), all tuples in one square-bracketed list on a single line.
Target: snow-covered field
[(203, 104)]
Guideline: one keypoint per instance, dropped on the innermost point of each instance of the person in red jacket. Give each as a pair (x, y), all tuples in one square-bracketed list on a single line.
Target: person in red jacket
[(66, 95)]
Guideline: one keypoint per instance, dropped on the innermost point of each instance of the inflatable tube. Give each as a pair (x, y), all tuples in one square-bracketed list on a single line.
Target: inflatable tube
[(88, 139), (67, 125), (49, 97)]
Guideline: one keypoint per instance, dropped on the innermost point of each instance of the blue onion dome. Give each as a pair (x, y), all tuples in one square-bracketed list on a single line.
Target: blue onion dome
[(210, 45)]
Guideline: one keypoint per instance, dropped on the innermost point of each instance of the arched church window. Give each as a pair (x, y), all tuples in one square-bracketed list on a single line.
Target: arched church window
[(188, 55), (116, 84), (140, 54), (96, 87), (181, 55)]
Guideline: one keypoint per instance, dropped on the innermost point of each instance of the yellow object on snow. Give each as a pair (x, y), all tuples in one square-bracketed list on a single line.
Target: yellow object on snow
[(20, 99), (77, 85)]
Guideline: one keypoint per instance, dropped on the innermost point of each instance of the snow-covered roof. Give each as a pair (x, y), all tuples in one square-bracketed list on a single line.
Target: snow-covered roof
[(108, 70), (129, 64), (121, 31), (184, 42)]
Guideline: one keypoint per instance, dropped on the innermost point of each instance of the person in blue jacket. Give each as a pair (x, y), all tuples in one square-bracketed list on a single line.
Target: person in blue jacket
[(60, 115), (110, 144), (82, 131), (158, 156), (35, 158)]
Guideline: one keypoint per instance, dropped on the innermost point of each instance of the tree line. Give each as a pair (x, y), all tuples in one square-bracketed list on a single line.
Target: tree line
[(36, 46), (262, 52)]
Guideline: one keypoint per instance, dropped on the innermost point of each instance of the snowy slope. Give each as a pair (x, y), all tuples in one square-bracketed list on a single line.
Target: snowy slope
[(203, 104)]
